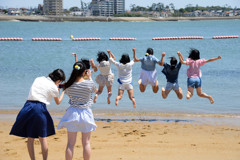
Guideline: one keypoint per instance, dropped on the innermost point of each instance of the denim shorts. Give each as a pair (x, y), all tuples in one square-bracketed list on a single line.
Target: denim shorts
[(171, 86), (194, 82)]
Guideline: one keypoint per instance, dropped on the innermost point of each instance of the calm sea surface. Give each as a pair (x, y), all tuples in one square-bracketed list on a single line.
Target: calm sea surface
[(22, 61)]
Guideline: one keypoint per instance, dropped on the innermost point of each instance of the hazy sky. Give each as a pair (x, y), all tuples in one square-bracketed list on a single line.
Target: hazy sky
[(70, 3)]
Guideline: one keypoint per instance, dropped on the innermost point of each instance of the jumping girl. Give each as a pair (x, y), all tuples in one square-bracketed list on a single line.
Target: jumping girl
[(106, 77), (194, 73)]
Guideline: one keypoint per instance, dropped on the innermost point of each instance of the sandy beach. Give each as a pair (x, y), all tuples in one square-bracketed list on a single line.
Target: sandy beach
[(106, 19), (134, 140)]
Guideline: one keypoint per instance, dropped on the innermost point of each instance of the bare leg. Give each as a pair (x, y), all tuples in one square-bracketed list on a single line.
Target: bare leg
[(179, 93), (109, 88), (44, 146), (119, 97), (130, 95), (165, 93), (100, 89), (189, 92), (204, 95), (155, 88), (86, 145), (72, 137), (141, 86), (30, 146)]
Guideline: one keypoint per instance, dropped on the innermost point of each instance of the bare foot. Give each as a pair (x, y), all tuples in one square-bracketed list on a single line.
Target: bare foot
[(211, 100), (109, 96), (95, 98), (163, 93), (108, 100), (116, 102), (188, 95), (139, 81), (134, 103)]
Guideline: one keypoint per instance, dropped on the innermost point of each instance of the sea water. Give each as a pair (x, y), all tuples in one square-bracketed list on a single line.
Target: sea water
[(22, 61)]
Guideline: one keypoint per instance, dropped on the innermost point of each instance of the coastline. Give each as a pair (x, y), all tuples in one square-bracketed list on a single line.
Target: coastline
[(105, 19)]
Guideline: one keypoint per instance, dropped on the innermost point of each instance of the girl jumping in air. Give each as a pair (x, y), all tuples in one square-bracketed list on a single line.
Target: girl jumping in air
[(171, 72), (194, 73), (34, 120), (124, 67), (148, 73), (106, 77), (79, 116)]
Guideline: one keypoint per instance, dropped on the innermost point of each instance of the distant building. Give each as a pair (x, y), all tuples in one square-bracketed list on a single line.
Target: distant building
[(53, 7), (107, 7)]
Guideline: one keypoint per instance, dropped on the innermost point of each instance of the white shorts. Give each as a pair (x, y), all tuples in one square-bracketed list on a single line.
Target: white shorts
[(126, 86), (148, 77)]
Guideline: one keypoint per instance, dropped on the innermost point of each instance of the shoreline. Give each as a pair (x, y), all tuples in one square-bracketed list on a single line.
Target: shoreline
[(106, 19), (141, 117)]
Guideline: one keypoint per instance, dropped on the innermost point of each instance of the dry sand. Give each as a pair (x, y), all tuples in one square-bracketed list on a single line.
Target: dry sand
[(134, 141)]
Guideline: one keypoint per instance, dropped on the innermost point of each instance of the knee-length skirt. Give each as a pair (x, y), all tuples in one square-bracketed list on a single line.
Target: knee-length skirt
[(33, 121)]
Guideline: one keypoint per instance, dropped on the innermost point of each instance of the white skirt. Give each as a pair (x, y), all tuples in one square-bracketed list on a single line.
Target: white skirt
[(148, 77), (78, 120)]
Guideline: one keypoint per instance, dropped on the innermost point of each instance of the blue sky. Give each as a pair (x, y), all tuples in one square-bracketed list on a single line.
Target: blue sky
[(69, 3)]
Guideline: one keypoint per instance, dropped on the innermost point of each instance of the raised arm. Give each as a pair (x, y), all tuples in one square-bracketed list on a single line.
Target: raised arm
[(135, 56), (181, 58), (213, 59), (93, 65), (75, 56), (111, 54), (161, 63)]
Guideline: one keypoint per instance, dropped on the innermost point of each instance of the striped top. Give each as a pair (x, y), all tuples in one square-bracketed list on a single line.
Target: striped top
[(80, 94)]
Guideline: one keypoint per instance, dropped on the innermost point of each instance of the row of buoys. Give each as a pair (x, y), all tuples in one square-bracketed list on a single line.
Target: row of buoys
[(11, 39), (46, 39), (123, 39), (174, 38), (86, 39), (224, 37)]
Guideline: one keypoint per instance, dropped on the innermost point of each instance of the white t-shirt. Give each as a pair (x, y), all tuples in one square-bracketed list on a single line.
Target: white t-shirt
[(104, 68), (124, 71), (43, 90)]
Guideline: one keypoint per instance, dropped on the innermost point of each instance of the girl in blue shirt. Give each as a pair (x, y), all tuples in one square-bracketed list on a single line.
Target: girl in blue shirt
[(148, 74)]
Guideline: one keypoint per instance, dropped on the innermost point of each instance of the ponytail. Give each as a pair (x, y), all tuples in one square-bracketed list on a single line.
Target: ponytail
[(78, 69)]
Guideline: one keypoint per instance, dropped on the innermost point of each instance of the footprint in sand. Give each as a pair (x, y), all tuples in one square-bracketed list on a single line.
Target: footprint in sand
[(106, 126)]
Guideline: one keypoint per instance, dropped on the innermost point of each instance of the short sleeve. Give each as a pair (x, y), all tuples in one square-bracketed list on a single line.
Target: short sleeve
[(114, 62), (188, 61), (55, 91), (131, 63), (141, 59), (202, 62), (156, 60), (179, 65)]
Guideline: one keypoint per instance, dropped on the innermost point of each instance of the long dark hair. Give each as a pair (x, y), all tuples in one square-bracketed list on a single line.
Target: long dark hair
[(102, 56), (125, 59), (194, 54), (56, 75), (78, 70), (173, 63)]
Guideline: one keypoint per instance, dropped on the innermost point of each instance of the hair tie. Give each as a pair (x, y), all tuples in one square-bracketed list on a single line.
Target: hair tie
[(146, 54), (77, 67)]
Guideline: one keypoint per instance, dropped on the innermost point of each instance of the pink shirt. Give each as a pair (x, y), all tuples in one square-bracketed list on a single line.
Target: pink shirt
[(194, 67)]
